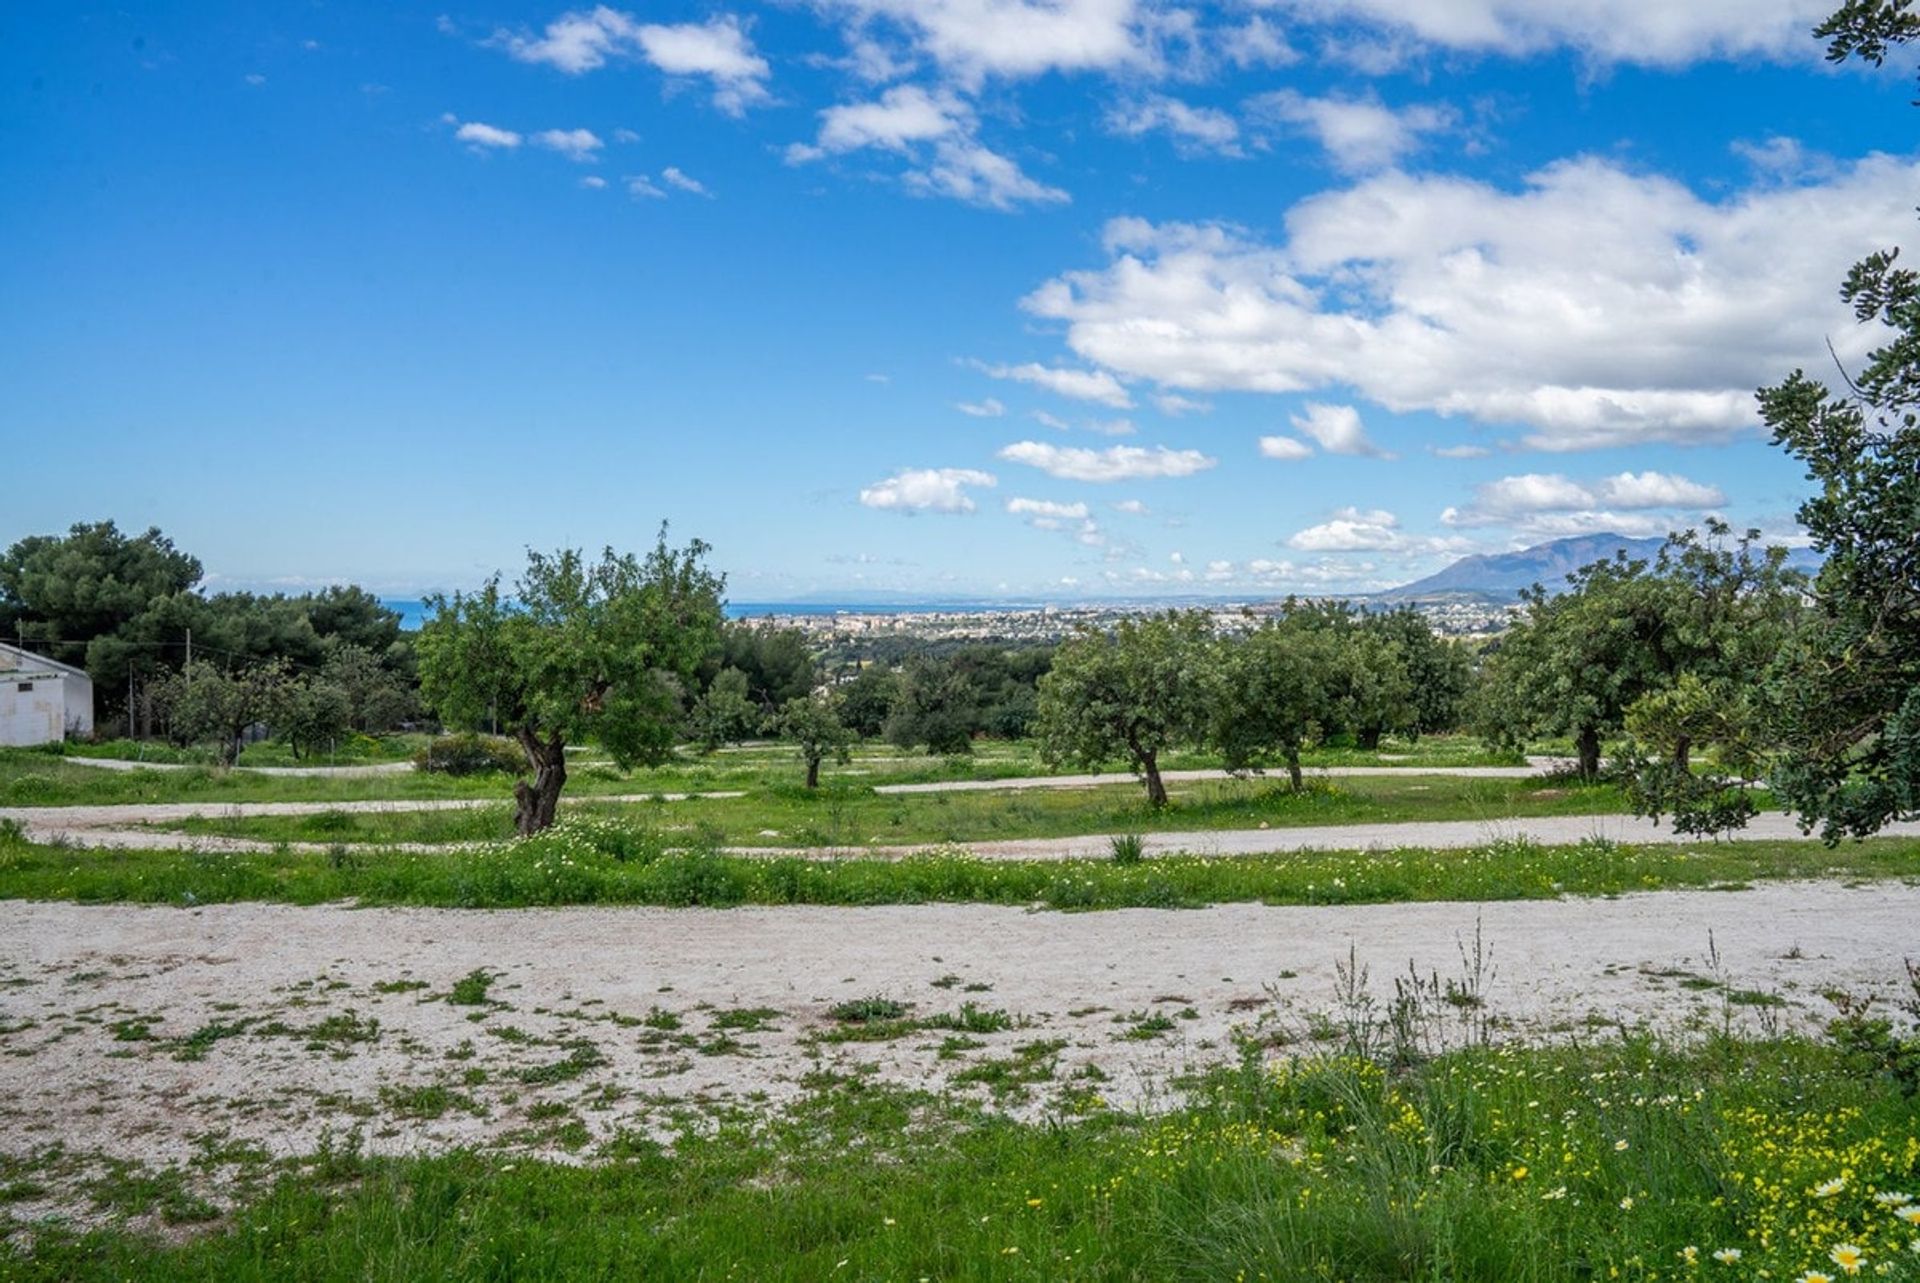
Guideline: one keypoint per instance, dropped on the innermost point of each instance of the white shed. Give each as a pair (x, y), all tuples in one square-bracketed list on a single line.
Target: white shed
[(42, 701)]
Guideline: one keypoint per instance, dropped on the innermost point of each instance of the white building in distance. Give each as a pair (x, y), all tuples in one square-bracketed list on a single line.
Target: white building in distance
[(42, 701)]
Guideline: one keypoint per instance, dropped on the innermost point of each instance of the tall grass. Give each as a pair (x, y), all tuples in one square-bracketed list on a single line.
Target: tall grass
[(1631, 1160)]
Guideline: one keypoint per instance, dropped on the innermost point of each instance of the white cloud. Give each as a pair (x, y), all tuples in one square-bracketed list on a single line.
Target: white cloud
[(593, 182), (574, 144), (903, 115), (990, 408), (1368, 530), (1648, 32), (1460, 451), (1053, 421), (1047, 508), (1111, 427), (1192, 128), (1551, 504), (1082, 385), (974, 39), (1338, 430), (926, 490), (1116, 463), (1359, 134), (1596, 306), (718, 50), (1068, 518), (477, 135), (677, 178), (1174, 405), (1284, 448), (978, 175), (938, 133), (1132, 507), (1350, 531), (640, 187)]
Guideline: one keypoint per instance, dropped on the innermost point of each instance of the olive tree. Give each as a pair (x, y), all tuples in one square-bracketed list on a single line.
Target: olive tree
[(206, 702), (812, 723), (581, 649), (1133, 693), (1276, 692)]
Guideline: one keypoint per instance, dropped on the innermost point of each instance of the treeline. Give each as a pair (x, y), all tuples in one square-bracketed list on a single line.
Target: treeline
[(164, 655), (1257, 695)]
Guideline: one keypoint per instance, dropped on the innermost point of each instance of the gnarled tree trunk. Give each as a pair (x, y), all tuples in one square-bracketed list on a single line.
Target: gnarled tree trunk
[(1150, 768), (1293, 768), (1683, 753), (535, 804), (1587, 744)]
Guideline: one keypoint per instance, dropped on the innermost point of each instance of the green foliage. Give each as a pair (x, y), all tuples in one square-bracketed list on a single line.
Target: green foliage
[(777, 663), (205, 702), (1135, 693), (469, 753), (1277, 692), (316, 715), (867, 699), (724, 713), (812, 724), (601, 650)]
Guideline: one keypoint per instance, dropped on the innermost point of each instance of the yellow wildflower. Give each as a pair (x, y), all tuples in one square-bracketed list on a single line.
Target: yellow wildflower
[(1848, 1257)]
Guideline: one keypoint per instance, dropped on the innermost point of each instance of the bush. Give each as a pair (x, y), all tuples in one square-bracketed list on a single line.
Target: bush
[(471, 755)]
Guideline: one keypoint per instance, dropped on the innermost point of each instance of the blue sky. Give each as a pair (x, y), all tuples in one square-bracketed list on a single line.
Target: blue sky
[(1055, 299)]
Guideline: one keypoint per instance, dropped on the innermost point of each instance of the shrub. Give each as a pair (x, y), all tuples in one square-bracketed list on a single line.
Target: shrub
[(471, 755), (1128, 848)]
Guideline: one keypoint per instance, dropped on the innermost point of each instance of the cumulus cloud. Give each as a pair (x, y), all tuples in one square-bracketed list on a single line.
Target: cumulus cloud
[(1647, 32), (974, 39), (1082, 385), (990, 408), (1337, 429), (1551, 504), (677, 178), (1350, 530), (938, 133), (1359, 134), (717, 50), (1116, 463), (478, 135), (1068, 518), (1193, 129), (926, 490), (1284, 448), (574, 144), (1596, 306)]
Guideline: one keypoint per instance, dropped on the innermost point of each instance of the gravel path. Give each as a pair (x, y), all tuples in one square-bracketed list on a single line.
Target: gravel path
[(307, 772), (97, 1002), (1534, 766), (107, 827)]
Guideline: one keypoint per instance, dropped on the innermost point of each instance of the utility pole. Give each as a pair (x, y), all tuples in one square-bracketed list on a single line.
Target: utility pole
[(189, 649)]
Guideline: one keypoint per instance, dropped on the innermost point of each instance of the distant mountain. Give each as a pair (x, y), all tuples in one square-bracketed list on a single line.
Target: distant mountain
[(1503, 575)]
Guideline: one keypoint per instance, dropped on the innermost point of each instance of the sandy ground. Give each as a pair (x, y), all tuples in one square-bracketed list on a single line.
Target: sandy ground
[(98, 1004)]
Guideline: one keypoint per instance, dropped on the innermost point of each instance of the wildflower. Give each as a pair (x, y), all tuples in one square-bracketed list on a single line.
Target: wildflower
[(1830, 1188), (1892, 1198), (1626, 1204), (1815, 1276), (1727, 1255), (1557, 1192), (1911, 1215), (1620, 1144), (1520, 1173), (1034, 1202), (1848, 1257), (1690, 1255)]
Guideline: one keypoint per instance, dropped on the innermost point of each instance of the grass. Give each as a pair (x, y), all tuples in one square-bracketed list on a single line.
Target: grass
[(1619, 1160), (40, 777), (605, 864), (853, 816)]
